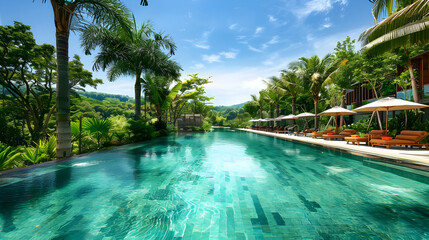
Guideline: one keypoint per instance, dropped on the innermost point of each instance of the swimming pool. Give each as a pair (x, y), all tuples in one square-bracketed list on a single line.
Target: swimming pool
[(217, 185)]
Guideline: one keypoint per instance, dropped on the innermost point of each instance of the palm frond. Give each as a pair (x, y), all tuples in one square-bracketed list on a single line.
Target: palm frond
[(412, 20)]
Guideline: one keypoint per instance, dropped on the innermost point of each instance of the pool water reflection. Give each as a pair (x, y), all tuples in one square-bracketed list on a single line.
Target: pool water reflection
[(217, 185)]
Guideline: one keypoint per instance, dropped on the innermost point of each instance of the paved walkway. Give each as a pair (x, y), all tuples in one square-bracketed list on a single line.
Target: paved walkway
[(415, 158)]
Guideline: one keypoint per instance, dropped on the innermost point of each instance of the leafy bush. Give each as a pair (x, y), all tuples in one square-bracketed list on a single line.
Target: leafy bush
[(9, 134), (140, 130), (48, 147), (34, 155), (361, 126), (160, 125), (99, 128), (8, 157), (206, 126), (171, 128)]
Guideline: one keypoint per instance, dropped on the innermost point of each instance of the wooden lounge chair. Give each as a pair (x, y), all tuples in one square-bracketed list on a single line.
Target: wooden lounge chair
[(307, 131), (374, 134), (341, 135), (320, 134), (405, 138)]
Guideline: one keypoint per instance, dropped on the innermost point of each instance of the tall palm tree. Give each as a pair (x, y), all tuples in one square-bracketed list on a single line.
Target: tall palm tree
[(274, 95), (261, 100), (315, 73), (131, 53), (110, 12), (291, 84), (408, 26)]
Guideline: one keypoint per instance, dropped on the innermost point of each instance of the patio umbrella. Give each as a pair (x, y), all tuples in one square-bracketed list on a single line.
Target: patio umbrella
[(288, 117), (305, 115), (336, 111), (389, 104)]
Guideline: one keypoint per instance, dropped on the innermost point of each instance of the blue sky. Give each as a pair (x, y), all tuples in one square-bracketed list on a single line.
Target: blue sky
[(238, 43)]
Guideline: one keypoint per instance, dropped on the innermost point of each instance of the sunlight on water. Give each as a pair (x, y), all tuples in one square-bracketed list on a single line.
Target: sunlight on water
[(217, 185)]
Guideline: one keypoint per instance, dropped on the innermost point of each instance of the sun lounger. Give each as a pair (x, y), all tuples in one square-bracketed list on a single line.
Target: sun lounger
[(307, 131), (341, 135), (374, 134), (320, 134), (405, 138)]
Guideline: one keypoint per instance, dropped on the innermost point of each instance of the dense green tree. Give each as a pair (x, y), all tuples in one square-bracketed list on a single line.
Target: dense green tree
[(315, 73), (193, 89), (260, 101), (131, 51), (404, 28), (109, 12)]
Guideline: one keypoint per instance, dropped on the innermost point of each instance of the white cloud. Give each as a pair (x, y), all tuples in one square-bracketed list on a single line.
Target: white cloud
[(327, 25), (202, 46), (259, 30), (211, 58), (230, 54), (271, 18), (254, 49), (233, 26), (202, 42), (274, 40), (198, 66), (317, 6)]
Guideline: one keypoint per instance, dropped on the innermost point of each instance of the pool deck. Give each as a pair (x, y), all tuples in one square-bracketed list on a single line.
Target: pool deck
[(411, 157)]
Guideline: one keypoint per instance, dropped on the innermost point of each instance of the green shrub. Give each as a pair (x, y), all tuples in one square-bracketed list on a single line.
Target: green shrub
[(99, 128), (8, 157), (160, 125), (206, 126), (140, 130), (171, 128), (34, 155), (48, 147)]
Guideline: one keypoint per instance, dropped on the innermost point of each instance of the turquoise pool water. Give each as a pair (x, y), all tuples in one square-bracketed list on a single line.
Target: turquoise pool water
[(218, 185)]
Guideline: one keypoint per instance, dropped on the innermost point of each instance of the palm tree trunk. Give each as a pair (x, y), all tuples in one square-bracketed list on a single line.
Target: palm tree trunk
[(316, 111), (413, 83), (63, 96), (277, 109), (138, 98), (145, 107), (294, 108), (343, 105), (260, 111)]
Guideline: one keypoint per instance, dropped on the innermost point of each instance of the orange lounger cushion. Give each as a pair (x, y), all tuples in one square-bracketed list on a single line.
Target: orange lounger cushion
[(330, 133), (386, 138), (354, 136)]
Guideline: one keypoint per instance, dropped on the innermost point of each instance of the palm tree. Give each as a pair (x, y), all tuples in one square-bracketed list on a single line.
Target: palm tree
[(274, 95), (110, 12), (315, 73), (160, 94), (291, 84), (261, 100), (406, 27), (132, 53)]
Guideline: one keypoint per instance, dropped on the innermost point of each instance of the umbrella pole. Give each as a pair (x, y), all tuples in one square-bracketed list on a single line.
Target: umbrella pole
[(336, 124), (387, 118)]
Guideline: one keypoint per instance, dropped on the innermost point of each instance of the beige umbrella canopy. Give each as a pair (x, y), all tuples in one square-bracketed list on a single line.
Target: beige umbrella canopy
[(305, 115), (336, 111), (288, 117), (389, 104)]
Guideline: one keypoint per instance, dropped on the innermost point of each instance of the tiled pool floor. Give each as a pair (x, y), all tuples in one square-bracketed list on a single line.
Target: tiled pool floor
[(219, 185)]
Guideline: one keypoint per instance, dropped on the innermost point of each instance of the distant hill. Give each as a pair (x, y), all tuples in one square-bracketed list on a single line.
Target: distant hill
[(101, 96), (235, 107)]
